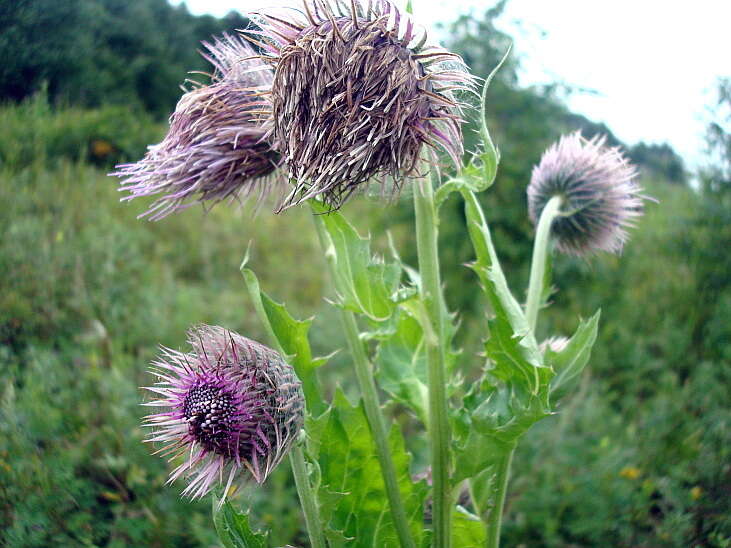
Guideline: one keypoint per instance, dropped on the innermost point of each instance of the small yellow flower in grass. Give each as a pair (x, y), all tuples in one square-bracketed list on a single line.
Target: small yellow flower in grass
[(630, 472), (696, 492)]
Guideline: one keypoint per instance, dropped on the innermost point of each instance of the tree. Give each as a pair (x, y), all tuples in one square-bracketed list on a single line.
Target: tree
[(93, 52)]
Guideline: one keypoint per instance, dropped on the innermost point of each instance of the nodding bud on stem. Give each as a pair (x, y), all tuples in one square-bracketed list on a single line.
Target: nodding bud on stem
[(600, 195), (358, 95), (231, 407), (215, 148)]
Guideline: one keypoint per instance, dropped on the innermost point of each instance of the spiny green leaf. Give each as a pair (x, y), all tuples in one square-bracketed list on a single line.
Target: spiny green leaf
[(490, 157), (291, 335), (514, 392), (490, 423), (363, 284), (471, 177), (351, 478), (233, 528), (570, 362), (487, 267), (509, 359), (480, 173), (401, 365)]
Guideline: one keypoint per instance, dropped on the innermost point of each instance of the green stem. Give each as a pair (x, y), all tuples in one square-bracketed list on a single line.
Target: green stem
[(495, 517), (307, 497), (431, 294), (538, 263), (376, 421), (306, 493)]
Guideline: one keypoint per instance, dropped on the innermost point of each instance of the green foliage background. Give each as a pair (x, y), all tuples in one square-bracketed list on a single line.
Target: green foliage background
[(639, 456)]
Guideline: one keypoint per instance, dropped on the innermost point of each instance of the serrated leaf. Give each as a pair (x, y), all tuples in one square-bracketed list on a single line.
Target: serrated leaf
[(363, 284), (292, 335), (479, 174), (471, 177), (401, 365), (233, 528), (570, 362), (491, 422), (514, 393), (509, 359), (351, 478), (490, 157), (505, 307)]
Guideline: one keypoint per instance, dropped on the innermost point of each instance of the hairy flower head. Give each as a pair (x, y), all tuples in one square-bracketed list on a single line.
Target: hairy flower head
[(215, 148), (230, 406), (601, 197), (358, 95)]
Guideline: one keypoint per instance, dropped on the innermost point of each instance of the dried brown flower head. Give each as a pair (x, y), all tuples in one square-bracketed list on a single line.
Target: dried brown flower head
[(216, 148), (358, 95)]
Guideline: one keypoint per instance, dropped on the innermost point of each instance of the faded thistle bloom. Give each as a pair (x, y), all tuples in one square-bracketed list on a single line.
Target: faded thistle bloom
[(601, 197), (358, 94), (230, 407), (215, 148)]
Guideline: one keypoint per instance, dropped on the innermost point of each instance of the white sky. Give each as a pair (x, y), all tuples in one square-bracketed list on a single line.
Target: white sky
[(652, 64)]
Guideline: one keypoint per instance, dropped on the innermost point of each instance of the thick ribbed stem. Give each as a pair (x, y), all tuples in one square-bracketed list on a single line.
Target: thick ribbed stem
[(495, 517), (431, 294), (306, 494), (538, 264), (376, 421), (307, 497)]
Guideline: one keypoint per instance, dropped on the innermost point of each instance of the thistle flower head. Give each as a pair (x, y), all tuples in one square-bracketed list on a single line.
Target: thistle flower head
[(601, 197), (215, 148), (358, 95), (230, 406)]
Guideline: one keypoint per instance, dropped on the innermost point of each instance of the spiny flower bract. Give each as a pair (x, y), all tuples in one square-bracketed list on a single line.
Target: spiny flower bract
[(215, 148), (601, 197), (358, 94), (231, 406)]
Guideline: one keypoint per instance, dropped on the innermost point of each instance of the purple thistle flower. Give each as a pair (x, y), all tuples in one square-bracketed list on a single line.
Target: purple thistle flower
[(215, 148), (230, 406), (601, 197), (358, 94)]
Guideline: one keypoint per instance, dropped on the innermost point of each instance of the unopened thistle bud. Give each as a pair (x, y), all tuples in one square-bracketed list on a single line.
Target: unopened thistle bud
[(358, 95), (600, 195), (215, 148), (231, 407)]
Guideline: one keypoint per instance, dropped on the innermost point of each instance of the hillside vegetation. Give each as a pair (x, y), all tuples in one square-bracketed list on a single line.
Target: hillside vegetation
[(638, 457)]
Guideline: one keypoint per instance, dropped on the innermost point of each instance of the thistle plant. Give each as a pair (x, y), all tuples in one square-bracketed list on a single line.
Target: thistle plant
[(231, 407), (356, 96)]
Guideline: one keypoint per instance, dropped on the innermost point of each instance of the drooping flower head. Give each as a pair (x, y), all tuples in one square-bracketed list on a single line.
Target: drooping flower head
[(601, 197), (215, 148), (358, 95), (230, 407)]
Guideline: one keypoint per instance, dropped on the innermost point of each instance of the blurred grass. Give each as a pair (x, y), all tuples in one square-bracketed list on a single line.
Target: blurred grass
[(87, 293), (638, 457)]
